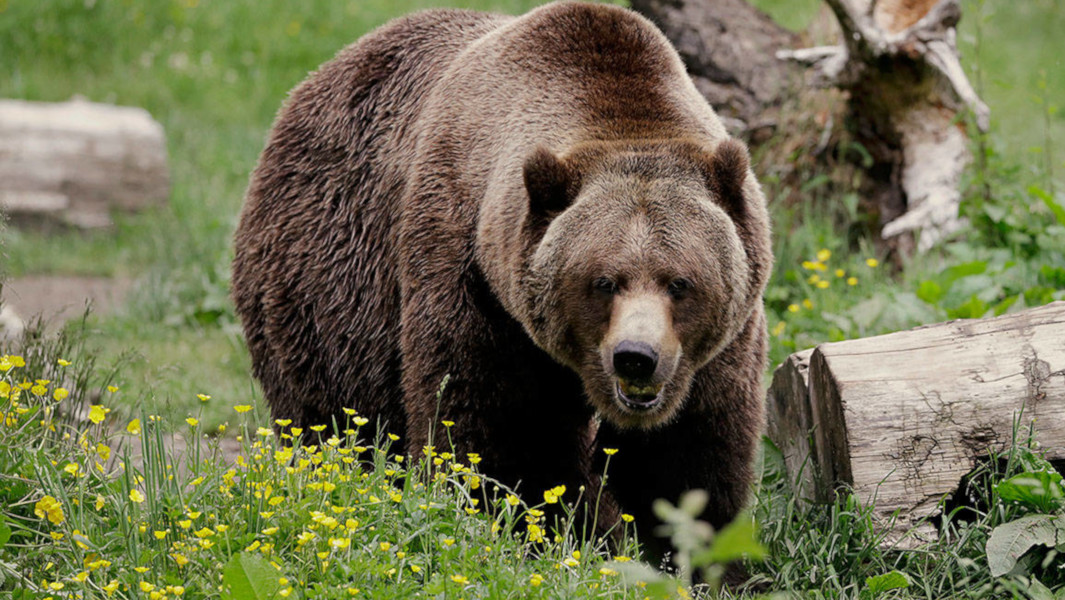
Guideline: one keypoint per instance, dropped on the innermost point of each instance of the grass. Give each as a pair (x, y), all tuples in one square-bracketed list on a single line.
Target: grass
[(99, 505), (215, 75), (102, 508)]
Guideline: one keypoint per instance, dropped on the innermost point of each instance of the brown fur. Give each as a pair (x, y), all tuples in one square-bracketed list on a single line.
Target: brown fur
[(443, 199)]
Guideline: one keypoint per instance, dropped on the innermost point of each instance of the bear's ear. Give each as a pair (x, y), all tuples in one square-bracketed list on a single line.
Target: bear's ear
[(727, 171), (551, 183)]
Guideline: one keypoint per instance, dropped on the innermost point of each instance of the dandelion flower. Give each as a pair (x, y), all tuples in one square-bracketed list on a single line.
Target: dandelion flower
[(852, 281), (824, 254), (872, 262)]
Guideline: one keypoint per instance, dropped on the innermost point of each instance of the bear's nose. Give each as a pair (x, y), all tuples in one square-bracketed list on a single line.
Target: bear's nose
[(635, 360)]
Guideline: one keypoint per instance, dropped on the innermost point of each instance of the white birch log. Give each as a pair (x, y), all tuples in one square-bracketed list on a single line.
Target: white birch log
[(902, 418), (73, 163)]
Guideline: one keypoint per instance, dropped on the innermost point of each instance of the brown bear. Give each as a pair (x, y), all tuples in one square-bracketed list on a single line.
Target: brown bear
[(542, 209)]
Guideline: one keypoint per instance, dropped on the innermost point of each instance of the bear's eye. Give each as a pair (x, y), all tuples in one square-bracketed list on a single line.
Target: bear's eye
[(679, 288), (605, 285)]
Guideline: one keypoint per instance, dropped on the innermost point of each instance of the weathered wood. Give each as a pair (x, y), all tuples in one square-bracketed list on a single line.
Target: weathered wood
[(896, 61), (73, 163), (730, 49), (899, 61), (902, 418), (790, 421)]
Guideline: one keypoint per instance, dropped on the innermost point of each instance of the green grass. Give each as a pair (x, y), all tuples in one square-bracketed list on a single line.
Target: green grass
[(215, 74), (101, 508), (98, 505)]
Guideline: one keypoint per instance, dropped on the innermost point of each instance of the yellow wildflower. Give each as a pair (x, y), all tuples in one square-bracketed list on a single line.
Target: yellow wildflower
[(50, 508), (136, 496), (134, 427)]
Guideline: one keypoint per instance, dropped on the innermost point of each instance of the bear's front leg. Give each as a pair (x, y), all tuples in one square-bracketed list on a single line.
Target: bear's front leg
[(510, 403), (709, 445)]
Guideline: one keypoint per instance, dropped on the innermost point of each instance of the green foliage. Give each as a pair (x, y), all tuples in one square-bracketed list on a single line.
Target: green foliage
[(1041, 490), (877, 586), (249, 577), (102, 506), (697, 550), (1011, 540)]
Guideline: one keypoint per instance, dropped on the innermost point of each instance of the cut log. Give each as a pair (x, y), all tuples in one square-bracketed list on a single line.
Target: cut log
[(73, 163), (902, 418)]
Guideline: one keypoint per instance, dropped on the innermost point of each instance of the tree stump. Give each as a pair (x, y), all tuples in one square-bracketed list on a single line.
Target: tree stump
[(73, 163), (902, 418)]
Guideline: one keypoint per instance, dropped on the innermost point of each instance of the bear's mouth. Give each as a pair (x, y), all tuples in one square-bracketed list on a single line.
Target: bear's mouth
[(638, 397)]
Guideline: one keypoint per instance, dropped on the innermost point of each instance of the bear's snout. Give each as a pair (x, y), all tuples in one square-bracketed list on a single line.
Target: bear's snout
[(635, 361)]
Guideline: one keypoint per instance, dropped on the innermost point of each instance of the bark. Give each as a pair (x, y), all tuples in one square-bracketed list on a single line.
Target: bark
[(902, 418), (897, 63), (730, 50)]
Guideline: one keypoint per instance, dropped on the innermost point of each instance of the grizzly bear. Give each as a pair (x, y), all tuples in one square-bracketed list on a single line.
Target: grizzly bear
[(541, 209)]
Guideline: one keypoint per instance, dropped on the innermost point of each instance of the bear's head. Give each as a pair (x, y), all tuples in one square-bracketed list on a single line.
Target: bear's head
[(641, 262)]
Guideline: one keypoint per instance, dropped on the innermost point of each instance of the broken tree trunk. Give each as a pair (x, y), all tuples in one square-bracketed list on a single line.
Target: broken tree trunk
[(902, 418), (730, 50), (898, 64), (73, 163)]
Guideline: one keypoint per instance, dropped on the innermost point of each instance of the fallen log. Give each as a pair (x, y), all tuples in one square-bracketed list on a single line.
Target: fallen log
[(73, 163), (901, 418)]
